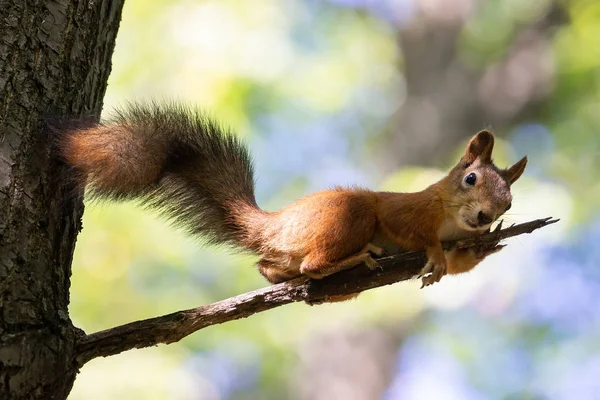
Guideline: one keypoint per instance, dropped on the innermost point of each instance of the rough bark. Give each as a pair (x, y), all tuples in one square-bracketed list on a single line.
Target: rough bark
[(174, 327), (54, 60)]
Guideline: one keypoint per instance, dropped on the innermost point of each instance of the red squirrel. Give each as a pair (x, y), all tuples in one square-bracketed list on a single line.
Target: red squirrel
[(175, 159)]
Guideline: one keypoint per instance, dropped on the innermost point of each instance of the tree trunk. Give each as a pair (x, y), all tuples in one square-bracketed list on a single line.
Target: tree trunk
[(54, 61)]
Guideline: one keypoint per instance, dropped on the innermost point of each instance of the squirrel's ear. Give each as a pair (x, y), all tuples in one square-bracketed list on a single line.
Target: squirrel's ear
[(513, 173), (480, 146)]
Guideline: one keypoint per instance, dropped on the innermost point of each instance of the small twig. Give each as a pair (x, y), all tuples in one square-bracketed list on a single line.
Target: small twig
[(173, 327)]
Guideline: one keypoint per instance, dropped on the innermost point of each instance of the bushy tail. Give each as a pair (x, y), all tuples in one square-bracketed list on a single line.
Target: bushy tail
[(174, 159)]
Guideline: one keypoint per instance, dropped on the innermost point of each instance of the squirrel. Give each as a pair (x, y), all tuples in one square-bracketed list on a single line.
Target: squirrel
[(176, 160)]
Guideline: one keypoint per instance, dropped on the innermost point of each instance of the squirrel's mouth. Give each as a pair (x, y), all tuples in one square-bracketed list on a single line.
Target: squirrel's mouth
[(472, 226), (467, 223)]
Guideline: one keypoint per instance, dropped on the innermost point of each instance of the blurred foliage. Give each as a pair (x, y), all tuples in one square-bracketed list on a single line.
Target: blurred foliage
[(313, 86)]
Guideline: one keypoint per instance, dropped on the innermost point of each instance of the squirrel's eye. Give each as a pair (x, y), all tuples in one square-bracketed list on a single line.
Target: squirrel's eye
[(471, 179), (508, 207)]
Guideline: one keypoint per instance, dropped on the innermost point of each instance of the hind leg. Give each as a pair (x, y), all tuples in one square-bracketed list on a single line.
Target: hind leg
[(279, 268), (316, 265), (317, 268)]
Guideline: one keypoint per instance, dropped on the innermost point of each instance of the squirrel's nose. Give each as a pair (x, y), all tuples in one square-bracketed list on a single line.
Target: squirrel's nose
[(483, 218)]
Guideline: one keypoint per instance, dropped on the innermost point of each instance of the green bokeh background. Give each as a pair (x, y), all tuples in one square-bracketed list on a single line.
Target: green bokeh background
[(317, 89)]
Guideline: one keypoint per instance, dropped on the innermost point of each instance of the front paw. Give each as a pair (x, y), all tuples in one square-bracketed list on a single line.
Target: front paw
[(432, 272)]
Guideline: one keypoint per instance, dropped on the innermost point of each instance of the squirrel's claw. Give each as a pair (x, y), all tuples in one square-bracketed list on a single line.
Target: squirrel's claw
[(371, 263), (433, 272), (371, 250), (426, 270)]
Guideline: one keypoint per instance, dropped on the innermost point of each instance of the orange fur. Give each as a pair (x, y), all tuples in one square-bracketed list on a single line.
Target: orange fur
[(125, 170), (178, 161), (333, 230)]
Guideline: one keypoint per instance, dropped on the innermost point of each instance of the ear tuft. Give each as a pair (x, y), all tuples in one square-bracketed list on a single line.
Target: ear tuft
[(480, 146), (513, 173)]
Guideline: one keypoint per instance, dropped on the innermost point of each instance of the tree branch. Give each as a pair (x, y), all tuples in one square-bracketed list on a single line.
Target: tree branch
[(173, 327)]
